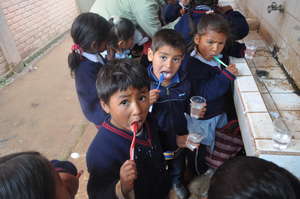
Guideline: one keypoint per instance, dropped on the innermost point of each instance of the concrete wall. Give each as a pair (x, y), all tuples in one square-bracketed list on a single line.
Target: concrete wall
[(281, 29), (3, 63), (34, 23), (85, 5)]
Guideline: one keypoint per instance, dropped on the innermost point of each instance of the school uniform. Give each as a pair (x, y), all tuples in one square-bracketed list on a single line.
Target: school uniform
[(85, 82), (168, 111), (110, 149)]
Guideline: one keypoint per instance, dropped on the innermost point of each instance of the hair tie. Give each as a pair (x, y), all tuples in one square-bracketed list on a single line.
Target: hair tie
[(76, 48)]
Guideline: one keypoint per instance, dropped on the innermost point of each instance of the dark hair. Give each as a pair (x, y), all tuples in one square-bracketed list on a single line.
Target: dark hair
[(213, 22), (253, 178), (26, 175), (86, 29), (120, 75), (122, 29), (168, 37), (210, 3)]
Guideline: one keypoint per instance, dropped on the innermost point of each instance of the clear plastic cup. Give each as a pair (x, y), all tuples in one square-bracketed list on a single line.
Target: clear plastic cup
[(250, 49), (282, 135), (193, 141), (197, 103)]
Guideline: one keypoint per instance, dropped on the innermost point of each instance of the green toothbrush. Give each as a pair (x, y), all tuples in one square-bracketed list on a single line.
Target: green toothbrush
[(218, 60)]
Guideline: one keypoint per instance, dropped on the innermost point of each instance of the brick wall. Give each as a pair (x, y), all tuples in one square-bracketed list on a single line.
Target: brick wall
[(34, 23)]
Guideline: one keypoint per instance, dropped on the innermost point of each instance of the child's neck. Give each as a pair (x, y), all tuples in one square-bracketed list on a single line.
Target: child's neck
[(206, 58), (166, 83)]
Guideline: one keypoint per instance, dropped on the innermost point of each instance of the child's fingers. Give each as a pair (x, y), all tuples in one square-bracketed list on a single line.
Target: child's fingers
[(80, 172)]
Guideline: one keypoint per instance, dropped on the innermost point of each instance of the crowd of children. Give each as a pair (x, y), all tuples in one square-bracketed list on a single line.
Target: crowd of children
[(144, 108)]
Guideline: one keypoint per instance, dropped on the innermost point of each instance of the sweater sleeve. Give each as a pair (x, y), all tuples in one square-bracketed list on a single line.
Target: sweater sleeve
[(214, 87), (103, 166), (235, 49), (87, 94)]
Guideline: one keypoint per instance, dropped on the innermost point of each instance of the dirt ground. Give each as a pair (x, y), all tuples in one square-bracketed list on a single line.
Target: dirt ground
[(40, 111)]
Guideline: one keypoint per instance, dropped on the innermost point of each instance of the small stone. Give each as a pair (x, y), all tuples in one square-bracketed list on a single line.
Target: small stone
[(75, 155)]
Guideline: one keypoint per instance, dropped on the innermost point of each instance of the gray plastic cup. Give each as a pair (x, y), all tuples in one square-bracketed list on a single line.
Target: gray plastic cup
[(193, 140), (197, 103), (250, 49)]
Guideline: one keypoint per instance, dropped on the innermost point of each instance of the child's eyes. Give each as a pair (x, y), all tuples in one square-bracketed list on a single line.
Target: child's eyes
[(143, 98), (177, 59), (124, 102), (164, 58)]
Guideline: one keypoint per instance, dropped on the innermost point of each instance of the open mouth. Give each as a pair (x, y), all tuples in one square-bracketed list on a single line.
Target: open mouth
[(166, 75), (137, 124)]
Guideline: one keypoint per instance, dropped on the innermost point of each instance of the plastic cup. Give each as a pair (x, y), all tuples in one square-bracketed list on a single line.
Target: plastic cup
[(197, 103), (250, 49), (282, 135), (193, 140)]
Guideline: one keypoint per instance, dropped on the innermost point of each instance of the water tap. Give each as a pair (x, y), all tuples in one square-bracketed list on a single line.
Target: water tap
[(275, 6)]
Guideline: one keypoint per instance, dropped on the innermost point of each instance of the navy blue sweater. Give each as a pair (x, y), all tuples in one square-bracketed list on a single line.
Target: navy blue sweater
[(169, 109), (188, 22), (85, 81), (110, 149), (212, 83)]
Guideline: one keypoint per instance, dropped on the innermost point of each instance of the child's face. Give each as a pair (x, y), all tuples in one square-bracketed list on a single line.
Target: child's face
[(128, 44), (127, 107), (210, 44), (165, 60)]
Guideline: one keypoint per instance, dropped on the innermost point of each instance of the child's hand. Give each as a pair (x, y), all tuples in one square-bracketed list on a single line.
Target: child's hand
[(70, 182), (128, 174), (232, 69), (181, 140), (154, 95), (185, 2)]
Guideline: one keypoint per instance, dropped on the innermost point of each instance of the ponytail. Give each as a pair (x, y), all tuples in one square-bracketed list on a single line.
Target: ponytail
[(74, 60)]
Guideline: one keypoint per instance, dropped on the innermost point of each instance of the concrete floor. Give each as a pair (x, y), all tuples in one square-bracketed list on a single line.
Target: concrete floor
[(40, 112)]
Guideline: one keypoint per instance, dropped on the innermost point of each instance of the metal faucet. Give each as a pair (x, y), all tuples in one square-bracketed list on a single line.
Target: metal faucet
[(275, 6)]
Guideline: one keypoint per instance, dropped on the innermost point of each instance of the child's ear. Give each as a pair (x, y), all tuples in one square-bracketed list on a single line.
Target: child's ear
[(121, 44), (104, 106), (197, 38), (94, 46), (150, 54)]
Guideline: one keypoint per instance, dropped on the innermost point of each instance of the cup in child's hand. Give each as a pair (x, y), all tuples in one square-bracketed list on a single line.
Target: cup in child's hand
[(250, 49), (197, 103), (193, 141)]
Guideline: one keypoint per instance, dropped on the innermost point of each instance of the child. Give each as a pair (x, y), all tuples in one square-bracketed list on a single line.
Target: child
[(90, 33), (29, 175), (186, 25), (253, 178), (174, 10), (121, 39), (208, 77), (169, 98), (123, 89)]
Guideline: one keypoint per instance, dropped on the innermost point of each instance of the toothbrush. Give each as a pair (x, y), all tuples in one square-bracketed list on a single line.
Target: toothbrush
[(219, 61), (134, 127), (161, 79)]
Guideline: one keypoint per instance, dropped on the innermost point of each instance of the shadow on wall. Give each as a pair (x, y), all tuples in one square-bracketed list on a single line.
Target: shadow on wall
[(85, 5)]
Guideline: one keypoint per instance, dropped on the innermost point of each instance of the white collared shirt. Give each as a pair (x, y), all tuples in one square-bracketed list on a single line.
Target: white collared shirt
[(212, 62), (94, 57)]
